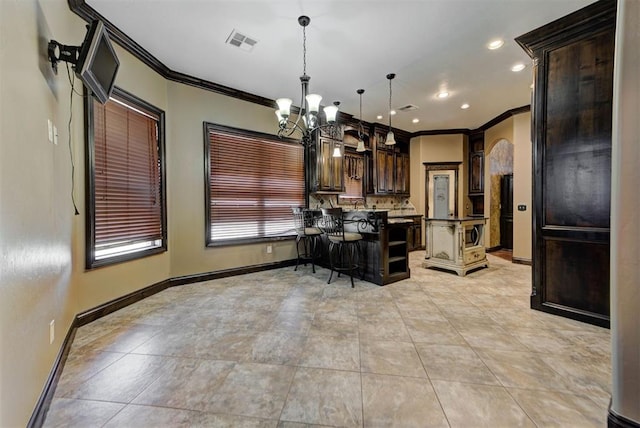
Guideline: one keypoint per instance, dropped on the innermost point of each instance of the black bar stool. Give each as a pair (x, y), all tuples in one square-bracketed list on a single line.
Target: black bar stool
[(344, 247), (308, 234)]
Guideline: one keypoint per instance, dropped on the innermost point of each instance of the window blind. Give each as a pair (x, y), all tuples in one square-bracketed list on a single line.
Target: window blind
[(127, 182), (253, 181)]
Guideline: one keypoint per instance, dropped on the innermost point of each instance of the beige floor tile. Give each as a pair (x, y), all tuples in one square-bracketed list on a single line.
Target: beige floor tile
[(392, 358), (556, 409), (470, 405), (123, 380), (81, 366), (210, 420), (425, 331), (186, 384), (329, 352), (523, 370), (276, 348), (257, 390), (324, 397), (147, 416), (298, 322), (455, 363), (488, 337), (394, 401), (65, 412)]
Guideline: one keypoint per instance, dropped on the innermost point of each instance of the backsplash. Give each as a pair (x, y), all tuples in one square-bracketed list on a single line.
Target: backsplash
[(396, 205)]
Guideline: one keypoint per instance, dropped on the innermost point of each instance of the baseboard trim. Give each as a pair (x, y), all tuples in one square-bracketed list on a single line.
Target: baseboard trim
[(208, 276), (616, 421), (520, 261), (93, 314), (44, 402)]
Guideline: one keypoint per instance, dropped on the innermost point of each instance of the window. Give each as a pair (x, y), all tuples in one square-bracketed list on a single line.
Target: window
[(126, 208), (253, 180)]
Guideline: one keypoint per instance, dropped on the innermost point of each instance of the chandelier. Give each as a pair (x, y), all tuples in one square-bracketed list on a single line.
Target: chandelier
[(308, 119)]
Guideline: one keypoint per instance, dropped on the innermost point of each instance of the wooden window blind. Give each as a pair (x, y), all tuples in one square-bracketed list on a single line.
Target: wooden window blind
[(127, 181), (253, 181)]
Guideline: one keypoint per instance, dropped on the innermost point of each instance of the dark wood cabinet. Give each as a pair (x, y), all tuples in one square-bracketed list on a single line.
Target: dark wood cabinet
[(571, 132), (390, 172), (326, 171), (401, 181), (476, 173)]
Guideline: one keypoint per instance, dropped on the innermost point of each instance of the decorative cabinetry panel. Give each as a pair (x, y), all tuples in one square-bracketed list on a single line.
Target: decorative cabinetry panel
[(326, 171), (456, 244), (390, 164), (572, 112)]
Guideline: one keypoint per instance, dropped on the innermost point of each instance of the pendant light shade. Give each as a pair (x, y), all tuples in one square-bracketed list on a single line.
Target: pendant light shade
[(361, 147), (390, 141), (336, 152)]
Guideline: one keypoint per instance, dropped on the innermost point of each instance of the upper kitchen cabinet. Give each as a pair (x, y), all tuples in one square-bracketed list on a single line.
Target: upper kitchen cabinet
[(390, 172), (476, 163), (325, 170)]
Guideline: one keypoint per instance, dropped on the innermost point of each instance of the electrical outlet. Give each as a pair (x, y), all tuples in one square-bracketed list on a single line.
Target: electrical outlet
[(52, 331), (269, 249), (50, 128)]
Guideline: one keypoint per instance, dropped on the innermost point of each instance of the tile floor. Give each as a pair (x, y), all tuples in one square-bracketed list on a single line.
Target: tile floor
[(284, 349)]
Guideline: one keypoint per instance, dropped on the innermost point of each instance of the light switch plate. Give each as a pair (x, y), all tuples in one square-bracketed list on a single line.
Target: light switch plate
[(522, 207), (50, 126)]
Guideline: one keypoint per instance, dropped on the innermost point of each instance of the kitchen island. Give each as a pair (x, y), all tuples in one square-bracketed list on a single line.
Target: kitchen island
[(456, 244), (384, 257)]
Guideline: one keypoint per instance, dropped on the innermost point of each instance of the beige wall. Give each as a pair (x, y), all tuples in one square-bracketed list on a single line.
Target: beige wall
[(522, 187), (36, 215), (188, 108)]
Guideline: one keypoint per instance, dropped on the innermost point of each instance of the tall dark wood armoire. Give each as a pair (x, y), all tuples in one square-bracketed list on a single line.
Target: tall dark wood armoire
[(571, 133)]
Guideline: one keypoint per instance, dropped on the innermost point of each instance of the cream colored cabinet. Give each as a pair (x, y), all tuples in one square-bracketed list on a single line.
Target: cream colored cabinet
[(455, 244)]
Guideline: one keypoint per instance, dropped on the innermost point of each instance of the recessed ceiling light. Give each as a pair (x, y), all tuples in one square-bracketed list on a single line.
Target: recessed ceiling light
[(518, 67), (416, 120), (464, 106), (379, 117), (392, 112), (495, 44), (442, 94)]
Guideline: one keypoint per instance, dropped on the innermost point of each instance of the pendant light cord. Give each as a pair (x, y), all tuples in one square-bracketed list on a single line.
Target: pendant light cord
[(390, 104), (304, 50)]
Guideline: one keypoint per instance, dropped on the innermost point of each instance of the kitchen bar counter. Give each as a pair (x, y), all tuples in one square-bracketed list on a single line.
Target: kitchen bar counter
[(384, 256)]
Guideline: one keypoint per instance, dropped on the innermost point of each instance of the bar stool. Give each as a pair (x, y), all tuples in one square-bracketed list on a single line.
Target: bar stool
[(344, 247), (308, 234)]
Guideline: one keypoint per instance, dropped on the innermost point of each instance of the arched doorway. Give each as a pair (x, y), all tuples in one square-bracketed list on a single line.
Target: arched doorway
[(500, 170)]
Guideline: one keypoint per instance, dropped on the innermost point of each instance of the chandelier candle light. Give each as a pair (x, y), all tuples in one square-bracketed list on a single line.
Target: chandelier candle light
[(310, 103)]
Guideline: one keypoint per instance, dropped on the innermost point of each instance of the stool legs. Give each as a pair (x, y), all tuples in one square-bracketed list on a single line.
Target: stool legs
[(341, 259), (309, 247)]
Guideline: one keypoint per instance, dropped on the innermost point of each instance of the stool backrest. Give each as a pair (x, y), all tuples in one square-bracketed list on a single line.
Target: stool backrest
[(333, 222), (298, 219)]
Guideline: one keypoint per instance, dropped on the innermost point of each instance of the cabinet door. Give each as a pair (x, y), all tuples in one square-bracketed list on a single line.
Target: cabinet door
[(337, 176), (325, 164), (476, 172), (384, 171), (401, 183)]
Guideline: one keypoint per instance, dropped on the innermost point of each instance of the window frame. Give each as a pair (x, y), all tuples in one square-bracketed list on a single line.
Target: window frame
[(209, 126), (90, 223)]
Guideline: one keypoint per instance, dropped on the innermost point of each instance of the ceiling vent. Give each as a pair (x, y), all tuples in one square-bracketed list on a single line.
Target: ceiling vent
[(408, 107), (241, 41)]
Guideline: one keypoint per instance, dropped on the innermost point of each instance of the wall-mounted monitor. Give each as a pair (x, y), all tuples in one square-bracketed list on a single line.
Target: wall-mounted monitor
[(97, 64), (95, 61)]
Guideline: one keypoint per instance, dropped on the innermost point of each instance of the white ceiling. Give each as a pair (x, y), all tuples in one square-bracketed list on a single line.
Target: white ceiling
[(351, 44)]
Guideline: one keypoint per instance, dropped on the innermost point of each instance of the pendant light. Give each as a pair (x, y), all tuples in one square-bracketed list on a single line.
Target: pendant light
[(390, 141), (361, 147)]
